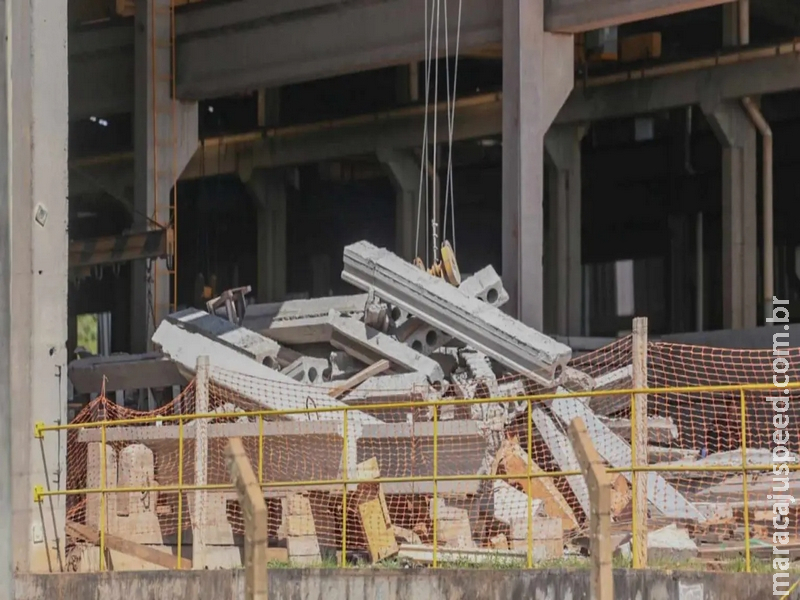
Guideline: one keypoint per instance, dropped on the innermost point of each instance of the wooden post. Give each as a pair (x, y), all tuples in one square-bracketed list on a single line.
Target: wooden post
[(599, 484), (639, 442), (199, 518), (254, 511)]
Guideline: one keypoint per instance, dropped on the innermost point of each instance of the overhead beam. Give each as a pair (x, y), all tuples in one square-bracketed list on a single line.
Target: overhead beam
[(704, 80), (727, 77), (575, 16), (337, 38)]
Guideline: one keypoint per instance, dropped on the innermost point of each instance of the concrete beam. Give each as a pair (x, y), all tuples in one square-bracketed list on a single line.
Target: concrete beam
[(444, 307), (369, 346), (338, 38), (669, 501), (183, 338), (123, 372), (670, 86), (575, 16)]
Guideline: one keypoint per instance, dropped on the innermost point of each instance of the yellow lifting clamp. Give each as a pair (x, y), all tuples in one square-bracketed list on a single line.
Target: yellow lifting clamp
[(446, 268)]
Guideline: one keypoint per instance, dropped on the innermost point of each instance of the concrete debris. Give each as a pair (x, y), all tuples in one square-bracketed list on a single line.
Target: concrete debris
[(413, 337), (480, 368), (617, 452), (485, 285), (369, 345), (184, 341), (309, 370), (343, 365), (471, 321), (668, 544)]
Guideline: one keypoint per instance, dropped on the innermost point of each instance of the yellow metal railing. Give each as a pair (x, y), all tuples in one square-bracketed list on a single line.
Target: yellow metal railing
[(435, 477)]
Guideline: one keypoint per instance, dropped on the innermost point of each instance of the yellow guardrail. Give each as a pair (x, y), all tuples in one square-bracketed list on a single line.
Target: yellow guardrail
[(40, 430)]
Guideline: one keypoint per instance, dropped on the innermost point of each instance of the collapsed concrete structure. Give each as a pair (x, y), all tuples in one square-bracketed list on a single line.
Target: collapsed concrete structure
[(411, 337)]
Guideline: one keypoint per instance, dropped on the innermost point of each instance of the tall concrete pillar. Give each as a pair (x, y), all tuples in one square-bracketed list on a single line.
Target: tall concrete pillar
[(33, 272), (737, 135), (537, 77), (404, 172), (268, 188), (164, 139), (563, 277)]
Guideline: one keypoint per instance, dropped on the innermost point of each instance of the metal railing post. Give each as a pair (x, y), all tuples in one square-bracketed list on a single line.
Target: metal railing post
[(530, 484), (345, 478), (746, 506), (435, 486), (180, 491), (103, 484), (634, 491)]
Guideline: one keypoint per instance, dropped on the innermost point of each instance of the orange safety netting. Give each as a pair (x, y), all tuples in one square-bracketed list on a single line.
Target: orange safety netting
[(481, 458)]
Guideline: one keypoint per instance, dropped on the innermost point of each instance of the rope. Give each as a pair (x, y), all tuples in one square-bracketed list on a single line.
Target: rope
[(424, 151), (451, 109)]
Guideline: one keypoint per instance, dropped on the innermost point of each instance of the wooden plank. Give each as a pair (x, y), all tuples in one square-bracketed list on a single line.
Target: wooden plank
[(599, 484), (371, 371), (374, 513), (254, 510), (514, 461), (639, 359), (119, 544)]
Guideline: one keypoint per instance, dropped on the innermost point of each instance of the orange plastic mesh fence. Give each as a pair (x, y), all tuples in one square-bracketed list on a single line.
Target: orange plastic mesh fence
[(482, 455)]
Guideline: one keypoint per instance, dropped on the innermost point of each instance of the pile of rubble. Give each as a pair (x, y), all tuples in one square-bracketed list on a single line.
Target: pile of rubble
[(414, 336)]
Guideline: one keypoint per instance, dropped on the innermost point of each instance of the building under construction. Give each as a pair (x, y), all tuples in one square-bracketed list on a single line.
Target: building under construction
[(254, 180)]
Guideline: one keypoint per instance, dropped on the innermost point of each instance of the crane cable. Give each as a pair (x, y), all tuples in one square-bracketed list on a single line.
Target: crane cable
[(431, 55)]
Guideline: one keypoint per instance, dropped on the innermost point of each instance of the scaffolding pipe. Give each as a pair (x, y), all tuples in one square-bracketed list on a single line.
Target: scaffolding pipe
[(766, 136)]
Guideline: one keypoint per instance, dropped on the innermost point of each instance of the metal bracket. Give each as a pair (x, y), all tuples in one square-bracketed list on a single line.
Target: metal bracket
[(38, 430), (38, 494)]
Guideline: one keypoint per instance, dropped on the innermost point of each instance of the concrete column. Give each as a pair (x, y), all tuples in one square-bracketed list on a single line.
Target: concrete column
[(164, 138), (404, 172), (269, 191), (563, 279), (737, 135), (33, 214), (537, 77)]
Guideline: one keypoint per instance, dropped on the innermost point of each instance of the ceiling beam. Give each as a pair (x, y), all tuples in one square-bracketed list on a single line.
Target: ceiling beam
[(575, 16), (314, 44), (726, 77)]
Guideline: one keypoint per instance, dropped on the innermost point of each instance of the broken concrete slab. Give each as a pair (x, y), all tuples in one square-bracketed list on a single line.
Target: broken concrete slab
[(186, 336), (262, 316), (308, 330), (660, 430), (617, 379), (309, 370), (343, 365), (561, 449), (614, 450), (485, 285), (368, 345), (440, 305), (123, 372), (668, 544), (222, 331)]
